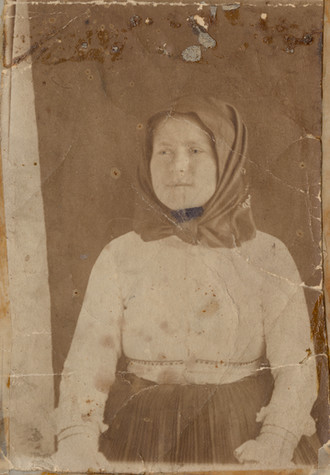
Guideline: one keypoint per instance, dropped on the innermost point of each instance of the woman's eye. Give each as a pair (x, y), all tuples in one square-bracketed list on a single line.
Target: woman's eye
[(195, 151), (164, 152)]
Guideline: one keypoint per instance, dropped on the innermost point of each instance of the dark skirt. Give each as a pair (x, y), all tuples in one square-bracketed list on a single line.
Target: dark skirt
[(176, 423)]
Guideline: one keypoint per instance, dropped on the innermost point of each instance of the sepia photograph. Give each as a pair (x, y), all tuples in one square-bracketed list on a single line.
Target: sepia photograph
[(194, 331), (162, 168)]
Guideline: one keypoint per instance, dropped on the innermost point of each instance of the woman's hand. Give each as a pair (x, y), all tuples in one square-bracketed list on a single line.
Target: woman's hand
[(267, 450), (79, 453)]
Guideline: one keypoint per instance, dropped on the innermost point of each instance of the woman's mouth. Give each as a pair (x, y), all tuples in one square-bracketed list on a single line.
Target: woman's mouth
[(174, 185)]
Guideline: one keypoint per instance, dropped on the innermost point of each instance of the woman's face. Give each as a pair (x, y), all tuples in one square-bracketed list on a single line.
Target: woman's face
[(183, 164)]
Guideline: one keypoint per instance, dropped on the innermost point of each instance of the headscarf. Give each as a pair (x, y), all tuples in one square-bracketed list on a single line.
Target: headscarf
[(226, 219)]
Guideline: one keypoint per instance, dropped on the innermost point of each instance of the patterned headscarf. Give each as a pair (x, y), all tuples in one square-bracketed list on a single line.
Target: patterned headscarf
[(226, 219)]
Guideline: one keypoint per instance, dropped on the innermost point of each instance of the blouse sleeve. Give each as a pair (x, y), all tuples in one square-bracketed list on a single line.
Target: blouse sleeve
[(289, 349), (90, 367)]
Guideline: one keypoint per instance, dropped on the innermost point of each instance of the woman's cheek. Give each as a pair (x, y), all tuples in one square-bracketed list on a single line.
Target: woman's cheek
[(207, 172), (163, 173)]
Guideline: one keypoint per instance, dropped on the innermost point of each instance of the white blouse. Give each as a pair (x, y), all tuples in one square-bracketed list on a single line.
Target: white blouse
[(192, 315)]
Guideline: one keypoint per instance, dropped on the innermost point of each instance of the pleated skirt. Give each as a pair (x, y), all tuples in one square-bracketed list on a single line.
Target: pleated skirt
[(176, 423)]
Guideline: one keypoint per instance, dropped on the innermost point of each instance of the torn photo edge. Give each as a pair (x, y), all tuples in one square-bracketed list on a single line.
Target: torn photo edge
[(20, 99)]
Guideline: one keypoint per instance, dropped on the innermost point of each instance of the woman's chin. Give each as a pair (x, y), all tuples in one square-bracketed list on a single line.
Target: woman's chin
[(176, 199), (178, 206), (175, 204)]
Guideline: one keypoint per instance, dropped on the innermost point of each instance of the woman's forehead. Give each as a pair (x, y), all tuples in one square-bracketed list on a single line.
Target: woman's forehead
[(180, 128)]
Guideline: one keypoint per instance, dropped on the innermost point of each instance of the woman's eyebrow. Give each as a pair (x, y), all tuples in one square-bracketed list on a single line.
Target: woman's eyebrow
[(194, 144), (163, 144)]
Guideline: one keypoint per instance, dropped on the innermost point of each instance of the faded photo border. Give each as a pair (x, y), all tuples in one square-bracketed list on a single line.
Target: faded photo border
[(20, 136)]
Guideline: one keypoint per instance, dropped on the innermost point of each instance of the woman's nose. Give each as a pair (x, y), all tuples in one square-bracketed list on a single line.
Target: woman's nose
[(181, 161)]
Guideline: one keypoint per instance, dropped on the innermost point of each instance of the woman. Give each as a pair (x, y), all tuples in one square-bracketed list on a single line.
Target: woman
[(193, 340)]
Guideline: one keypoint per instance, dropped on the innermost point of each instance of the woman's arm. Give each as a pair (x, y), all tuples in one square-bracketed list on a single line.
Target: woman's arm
[(289, 349), (90, 367)]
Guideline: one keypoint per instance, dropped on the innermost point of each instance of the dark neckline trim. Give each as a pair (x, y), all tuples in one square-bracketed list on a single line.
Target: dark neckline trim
[(187, 214)]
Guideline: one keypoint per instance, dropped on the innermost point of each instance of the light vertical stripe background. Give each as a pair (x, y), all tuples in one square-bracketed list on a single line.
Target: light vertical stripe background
[(31, 376)]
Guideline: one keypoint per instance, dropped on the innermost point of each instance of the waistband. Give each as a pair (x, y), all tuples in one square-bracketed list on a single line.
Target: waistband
[(199, 371)]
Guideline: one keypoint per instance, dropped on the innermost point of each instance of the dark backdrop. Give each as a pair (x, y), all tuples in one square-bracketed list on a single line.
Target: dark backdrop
[(100, 71)]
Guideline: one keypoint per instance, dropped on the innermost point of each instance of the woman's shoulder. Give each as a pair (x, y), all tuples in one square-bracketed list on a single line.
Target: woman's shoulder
[(266, 244), (123, 241), (127, 249), (272, 256), (126, 243)]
